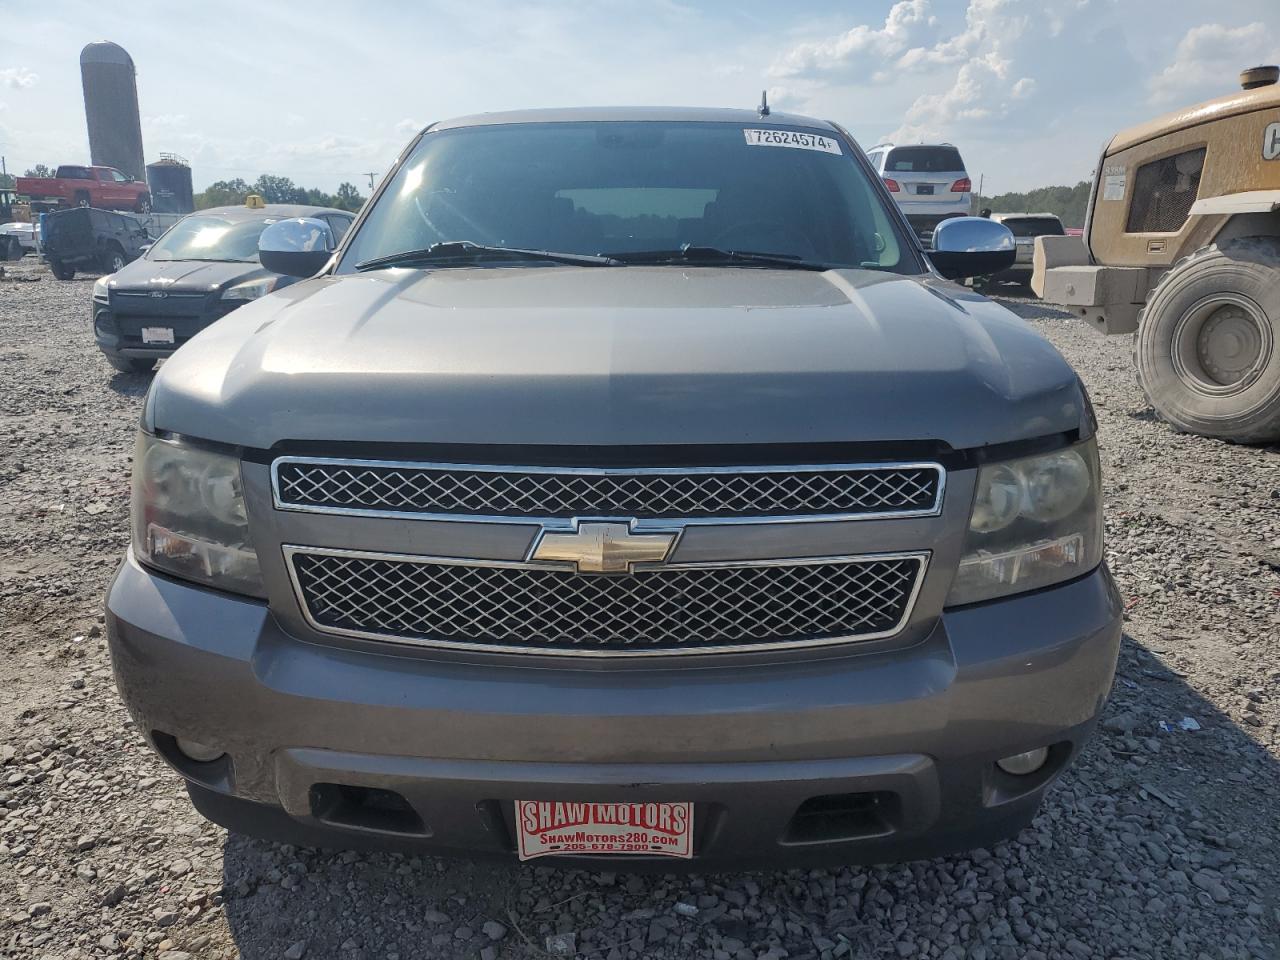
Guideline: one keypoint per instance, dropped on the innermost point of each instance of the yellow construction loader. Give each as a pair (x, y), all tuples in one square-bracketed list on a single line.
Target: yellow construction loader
[(1182, 249)]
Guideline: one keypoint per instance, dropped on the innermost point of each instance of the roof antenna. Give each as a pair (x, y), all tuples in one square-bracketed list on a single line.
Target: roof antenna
[(764, 103)]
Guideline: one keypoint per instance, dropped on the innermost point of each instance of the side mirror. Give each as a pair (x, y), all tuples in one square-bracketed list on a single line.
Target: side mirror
[(297, 247), (144, 249), (972, 247)]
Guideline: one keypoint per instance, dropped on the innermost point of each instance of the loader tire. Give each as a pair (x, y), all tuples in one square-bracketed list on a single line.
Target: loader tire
[(1207, 350)]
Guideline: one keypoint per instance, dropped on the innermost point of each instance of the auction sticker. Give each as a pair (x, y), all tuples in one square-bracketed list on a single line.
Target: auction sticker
[(790, 138), (548, 827), (1114, 181)]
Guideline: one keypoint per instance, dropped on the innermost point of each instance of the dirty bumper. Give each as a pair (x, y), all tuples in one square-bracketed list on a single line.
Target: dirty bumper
[(870, 758)]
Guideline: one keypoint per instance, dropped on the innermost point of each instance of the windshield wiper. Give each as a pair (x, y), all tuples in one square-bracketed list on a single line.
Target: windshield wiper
[(689, 253), (454, 251)]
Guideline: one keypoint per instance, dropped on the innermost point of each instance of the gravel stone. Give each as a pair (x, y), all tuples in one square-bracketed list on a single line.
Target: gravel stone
[(562, 944), (1159, 842)]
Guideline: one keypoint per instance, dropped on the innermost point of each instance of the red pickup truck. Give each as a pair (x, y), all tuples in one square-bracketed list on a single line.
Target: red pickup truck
[(103, 187)]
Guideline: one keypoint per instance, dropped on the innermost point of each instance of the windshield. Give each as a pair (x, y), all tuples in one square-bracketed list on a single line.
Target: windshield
[(924, 160), (210, 238), (618, 188), (1034, 226)]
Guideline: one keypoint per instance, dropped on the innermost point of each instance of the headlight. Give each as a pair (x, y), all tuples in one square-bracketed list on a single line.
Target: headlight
[(189, 517), (100, 290), (250, 289), (1035, 522)]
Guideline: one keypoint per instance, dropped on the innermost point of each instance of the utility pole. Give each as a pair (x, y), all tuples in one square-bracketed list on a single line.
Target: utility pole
[(371, 176)]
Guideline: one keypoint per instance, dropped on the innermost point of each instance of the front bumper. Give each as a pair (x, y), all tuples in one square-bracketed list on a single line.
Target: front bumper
[(120, 334), (917, 729)]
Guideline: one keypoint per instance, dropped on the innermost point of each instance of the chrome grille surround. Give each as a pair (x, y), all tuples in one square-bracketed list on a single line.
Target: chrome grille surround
[(553, 496), (531, 608)]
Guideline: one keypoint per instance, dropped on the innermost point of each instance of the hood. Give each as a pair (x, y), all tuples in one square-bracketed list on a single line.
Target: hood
[(1233, 104), (187, 275), (618, 356)]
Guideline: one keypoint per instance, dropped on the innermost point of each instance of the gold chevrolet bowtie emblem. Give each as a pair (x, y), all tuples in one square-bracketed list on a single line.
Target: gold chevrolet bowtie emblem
[(604, 547)]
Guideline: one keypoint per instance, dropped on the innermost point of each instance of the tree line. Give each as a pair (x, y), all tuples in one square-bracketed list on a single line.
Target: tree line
[(39, 170), (273, 189), (1069, 203)]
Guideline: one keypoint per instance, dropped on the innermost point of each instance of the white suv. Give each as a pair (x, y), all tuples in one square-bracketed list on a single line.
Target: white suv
[(927, 179)]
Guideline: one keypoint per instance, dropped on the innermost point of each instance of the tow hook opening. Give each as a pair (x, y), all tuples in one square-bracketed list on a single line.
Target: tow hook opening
[(366, 808), (844, 816)]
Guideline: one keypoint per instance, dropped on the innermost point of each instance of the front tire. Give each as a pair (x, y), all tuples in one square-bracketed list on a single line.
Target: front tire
[(82, 198), (61, 270), (1207, 350), (113, 258), (144, 203)]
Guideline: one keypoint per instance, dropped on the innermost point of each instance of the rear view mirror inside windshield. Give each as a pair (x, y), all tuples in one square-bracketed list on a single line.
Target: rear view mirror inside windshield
[(633, 137)]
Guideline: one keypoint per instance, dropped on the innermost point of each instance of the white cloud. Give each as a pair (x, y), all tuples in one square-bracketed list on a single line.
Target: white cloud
[(973, 95), (982, 55), (1207, 60), (1023, 88), (166, 121), (1002, 67), (859, 50), (19, 78)]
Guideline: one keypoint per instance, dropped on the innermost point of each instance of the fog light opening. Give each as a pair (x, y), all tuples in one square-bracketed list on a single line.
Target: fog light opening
[(1022, 764), (197, 751)]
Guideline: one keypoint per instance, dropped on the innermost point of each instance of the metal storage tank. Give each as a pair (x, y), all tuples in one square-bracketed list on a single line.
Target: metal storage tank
[(111, 108), (170, 181)]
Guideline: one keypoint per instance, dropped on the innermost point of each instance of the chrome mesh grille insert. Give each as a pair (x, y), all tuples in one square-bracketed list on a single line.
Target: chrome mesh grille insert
[(668, 610), (465, 490)]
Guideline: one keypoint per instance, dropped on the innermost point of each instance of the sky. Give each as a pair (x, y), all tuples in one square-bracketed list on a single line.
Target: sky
[(323, 92)]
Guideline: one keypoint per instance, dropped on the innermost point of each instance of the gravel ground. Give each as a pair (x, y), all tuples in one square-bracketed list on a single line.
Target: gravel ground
[(1161, 842)]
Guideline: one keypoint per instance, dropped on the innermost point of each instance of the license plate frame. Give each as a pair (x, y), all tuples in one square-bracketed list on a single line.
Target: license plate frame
[(546, 828), (158, 335), (924, 190)]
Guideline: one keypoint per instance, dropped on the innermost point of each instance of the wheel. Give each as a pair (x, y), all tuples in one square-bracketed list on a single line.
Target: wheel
[(130, 364), (113, 258), (144, 203), (1207, 348), (82, 198), (61, 270)]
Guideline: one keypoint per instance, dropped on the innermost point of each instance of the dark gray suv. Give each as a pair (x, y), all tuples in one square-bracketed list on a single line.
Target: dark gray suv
[(626, 488)]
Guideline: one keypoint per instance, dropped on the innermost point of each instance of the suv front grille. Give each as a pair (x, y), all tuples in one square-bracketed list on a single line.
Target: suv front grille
[(675, 609), (373, 487)]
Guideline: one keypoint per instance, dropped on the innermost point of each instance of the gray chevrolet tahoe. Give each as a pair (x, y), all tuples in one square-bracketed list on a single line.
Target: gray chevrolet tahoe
[(626, 488)]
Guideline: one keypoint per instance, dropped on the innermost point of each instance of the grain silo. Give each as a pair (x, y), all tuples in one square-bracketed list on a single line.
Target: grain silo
[(170, 181), (111, 108)]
